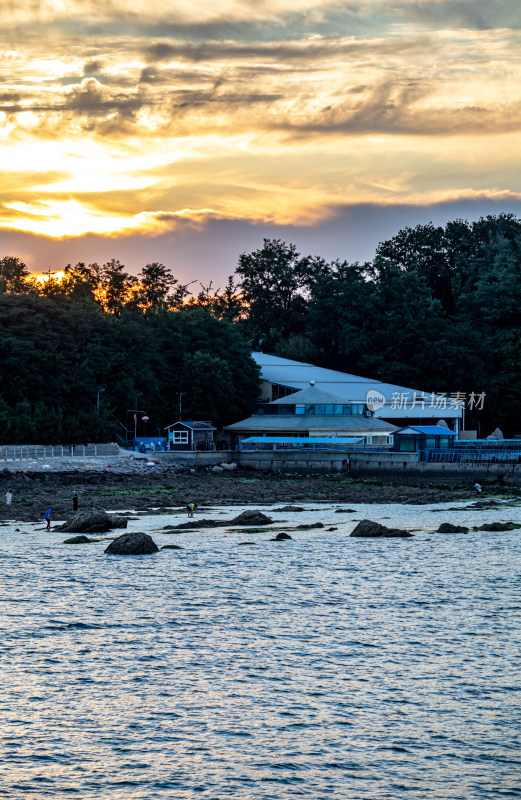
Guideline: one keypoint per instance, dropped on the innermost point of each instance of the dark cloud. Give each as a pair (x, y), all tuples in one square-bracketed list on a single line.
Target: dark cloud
[(89, 96), (86, 98), (10, 98), (149, 75), (395, 105), (92, 68), (225, 101), (397, 108), (283, 52)]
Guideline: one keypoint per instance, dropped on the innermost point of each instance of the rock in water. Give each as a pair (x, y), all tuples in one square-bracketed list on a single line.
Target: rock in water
[(92, 521), (251, 518), (118, 522), (132, 544), (367, 528), (448, 527), (77, 540), (280, 537), (200, 523), (498, 526)]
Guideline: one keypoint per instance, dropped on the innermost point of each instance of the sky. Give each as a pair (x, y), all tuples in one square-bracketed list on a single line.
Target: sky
[(186, 132)]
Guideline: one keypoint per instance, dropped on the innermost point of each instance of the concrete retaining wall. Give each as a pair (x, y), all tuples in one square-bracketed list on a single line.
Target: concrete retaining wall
[(196, 458), (408, 464), (367, 463), (312, 461), (296, 461)]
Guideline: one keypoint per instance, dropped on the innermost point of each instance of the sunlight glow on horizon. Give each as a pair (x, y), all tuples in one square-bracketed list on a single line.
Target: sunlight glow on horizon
[(43, 278), (379, 103)]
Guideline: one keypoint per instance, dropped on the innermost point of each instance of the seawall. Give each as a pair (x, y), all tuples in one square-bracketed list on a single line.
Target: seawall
[(407, 464)]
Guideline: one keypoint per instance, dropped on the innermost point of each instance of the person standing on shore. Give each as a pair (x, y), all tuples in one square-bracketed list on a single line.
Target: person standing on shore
[(477, 487), (75, 502), (190, 508), (8, 497), (47, 518)]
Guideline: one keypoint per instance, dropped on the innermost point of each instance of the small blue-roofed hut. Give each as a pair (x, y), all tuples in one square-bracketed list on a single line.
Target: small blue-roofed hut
[(415, 438), (190, 436)]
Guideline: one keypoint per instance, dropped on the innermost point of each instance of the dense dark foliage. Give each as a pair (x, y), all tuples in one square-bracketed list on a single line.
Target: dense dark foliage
[(438, 309), (74, 373)]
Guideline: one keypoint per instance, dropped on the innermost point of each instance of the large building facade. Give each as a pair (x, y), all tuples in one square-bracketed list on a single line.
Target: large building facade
[(313, 412), (397, 405)]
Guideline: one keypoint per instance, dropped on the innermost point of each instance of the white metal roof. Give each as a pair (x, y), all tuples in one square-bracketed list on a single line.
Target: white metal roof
[(399, 401), (310, 395)]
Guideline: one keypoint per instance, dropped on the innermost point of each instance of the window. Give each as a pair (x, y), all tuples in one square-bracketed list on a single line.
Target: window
[(281, 391), (180, 437)]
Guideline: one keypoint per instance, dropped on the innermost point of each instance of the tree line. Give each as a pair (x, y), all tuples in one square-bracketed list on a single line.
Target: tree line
[(438, 309)]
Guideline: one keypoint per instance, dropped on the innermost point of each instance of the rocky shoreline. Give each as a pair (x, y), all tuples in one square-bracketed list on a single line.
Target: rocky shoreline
[(34, 491)]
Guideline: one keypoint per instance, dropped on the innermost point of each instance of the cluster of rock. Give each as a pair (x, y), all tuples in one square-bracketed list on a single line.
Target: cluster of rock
[(92, 521), (223, 467), (114, 464), (448, 527), (132, 544), (137, 544), (498, 526), (97, 521), (368, 528), (247, 518)]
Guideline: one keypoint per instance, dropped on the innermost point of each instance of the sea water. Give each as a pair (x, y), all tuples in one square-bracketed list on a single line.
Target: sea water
[(322, 667)]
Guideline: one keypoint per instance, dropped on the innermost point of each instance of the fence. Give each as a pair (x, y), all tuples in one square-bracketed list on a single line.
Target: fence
[(38, 452), (480, 455)]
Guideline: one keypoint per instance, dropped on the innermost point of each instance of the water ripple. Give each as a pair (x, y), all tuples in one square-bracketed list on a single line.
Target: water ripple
[(332, 669)]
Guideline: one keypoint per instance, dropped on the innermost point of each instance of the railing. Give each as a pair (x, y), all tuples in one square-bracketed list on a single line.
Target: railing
[(38, 452), (306, 445), (481, 455)]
